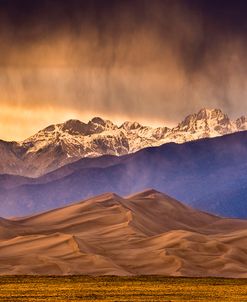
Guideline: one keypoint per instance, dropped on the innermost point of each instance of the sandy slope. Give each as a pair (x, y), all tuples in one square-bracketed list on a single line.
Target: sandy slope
[(146, 233)]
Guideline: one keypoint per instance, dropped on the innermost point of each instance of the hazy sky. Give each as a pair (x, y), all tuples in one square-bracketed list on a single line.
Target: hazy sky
[(152, 61)]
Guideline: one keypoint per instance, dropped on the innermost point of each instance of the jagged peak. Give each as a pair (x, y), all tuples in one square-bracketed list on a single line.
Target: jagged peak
[(75, 126), (98, 120), (130, 125), (102, 122), (210, 113), (241, 123), (209, 110), (73, 122), (205, 111), (205, 114), (67, 125), (76, 121), (242, 119)]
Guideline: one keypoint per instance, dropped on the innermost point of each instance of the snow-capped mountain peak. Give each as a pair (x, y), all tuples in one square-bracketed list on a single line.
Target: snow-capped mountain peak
[(204, 123), (128, 126), (96, 125), (59, 144), (241, 123), (102, 124)]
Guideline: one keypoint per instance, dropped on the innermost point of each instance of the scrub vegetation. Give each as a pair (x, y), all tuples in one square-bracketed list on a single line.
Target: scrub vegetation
[(117, 289)]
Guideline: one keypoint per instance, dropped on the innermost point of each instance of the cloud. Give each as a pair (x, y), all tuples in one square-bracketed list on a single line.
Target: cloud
[(153, 61)]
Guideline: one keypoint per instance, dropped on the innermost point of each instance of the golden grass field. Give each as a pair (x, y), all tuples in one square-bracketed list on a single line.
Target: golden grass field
[(144, 288)]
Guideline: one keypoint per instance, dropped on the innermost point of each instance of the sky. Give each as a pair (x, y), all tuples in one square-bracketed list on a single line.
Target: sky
[(154, 61)]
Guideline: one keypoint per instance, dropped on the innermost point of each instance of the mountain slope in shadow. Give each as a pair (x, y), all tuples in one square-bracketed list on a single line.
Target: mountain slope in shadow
[(209, 174)]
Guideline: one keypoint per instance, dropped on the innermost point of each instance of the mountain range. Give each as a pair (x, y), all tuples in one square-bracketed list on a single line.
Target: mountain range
[(147, 233), (202, 162), (60, 144), (209, 174)]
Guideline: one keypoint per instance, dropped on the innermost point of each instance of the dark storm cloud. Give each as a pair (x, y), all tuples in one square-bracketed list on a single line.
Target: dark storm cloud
[(148, 59)]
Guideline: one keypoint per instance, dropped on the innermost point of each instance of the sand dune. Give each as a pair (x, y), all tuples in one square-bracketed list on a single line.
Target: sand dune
[(146, 233)]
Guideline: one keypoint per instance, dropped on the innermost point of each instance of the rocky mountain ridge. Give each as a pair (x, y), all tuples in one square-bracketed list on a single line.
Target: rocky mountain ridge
[(60, 144)]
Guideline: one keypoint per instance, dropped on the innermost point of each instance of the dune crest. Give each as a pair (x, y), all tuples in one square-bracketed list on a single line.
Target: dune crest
[(145, 233)]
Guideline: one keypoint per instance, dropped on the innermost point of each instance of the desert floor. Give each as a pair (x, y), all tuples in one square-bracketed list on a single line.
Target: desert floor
[(108, 288)]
